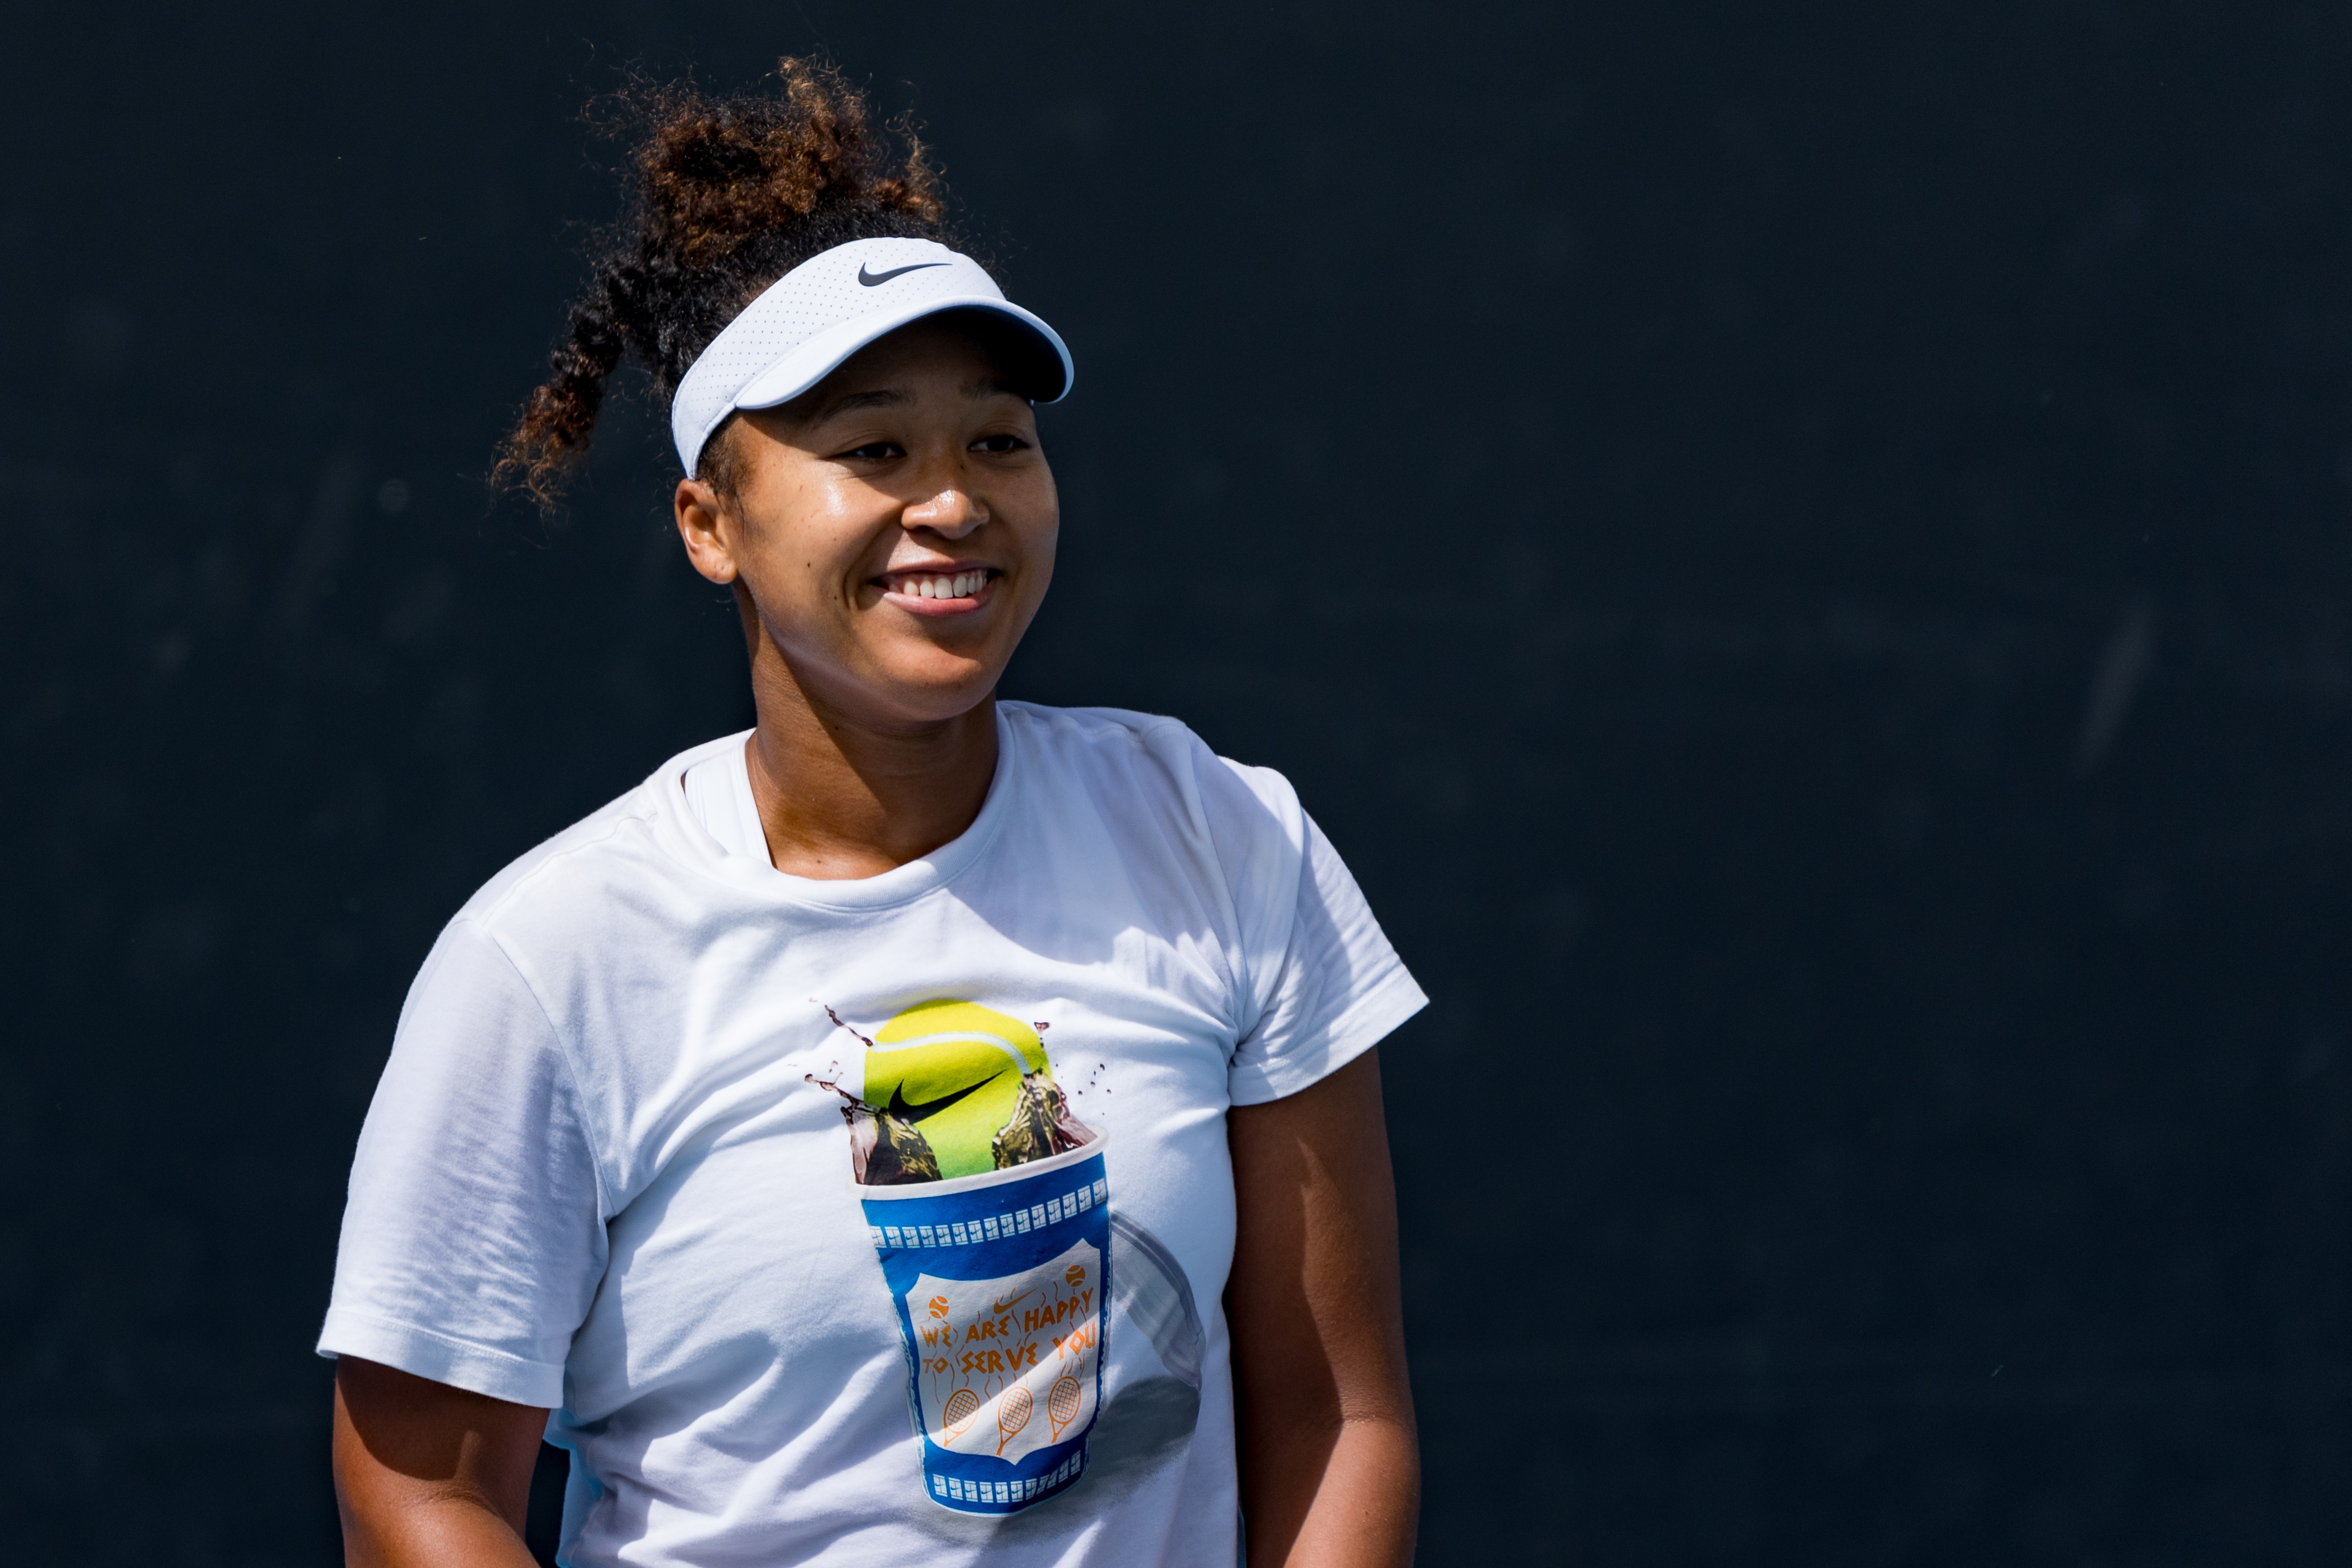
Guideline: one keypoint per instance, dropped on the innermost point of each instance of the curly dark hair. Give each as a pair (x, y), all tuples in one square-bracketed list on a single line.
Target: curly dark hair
[(730, 194)]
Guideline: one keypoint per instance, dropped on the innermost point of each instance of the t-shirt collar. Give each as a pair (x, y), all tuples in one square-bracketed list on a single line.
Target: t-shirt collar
[(681, 834)]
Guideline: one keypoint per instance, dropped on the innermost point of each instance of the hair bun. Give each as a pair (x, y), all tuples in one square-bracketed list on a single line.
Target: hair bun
[(730, 194)]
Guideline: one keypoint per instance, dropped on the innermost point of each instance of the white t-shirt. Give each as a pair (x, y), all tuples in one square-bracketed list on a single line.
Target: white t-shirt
[(610, 1169)]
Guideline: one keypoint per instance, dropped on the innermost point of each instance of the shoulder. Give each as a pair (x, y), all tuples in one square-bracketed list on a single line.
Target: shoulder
[(1132, 766), (586, 852), (631, 842), (1146, 749), (1090, 732)]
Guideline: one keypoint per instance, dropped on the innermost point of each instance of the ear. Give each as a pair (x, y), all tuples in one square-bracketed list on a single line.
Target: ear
[(707, 528)]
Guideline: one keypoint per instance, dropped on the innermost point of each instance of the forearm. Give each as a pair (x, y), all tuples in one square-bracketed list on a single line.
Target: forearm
[(1330, 1466), (1342, 1494)]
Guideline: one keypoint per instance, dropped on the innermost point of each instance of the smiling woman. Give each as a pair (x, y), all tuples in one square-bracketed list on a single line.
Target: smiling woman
[(1085, 1255), (889, 535)]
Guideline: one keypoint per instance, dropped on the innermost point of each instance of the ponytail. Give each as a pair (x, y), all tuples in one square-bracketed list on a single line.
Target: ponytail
[(731, 195)]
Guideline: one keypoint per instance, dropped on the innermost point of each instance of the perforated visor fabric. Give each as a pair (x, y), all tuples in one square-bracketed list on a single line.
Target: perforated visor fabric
[(832, 305)]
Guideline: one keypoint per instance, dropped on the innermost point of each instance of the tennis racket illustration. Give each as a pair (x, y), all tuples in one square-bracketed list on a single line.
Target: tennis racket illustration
[(1012, 1412), (1062, 1404), (957, 1413)]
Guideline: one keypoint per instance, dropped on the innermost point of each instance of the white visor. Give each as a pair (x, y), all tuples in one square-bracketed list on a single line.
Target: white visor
[(826, 308)]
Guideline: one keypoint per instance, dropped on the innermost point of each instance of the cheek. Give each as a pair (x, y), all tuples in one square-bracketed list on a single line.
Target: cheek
[(810, 537), (1038, 507)]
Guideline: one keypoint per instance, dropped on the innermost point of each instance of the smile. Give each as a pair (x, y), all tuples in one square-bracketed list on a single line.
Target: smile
[(965, 584)]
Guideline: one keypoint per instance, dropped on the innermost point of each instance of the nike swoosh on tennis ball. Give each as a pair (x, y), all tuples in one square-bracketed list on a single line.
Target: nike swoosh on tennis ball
[(922, 1109), (871, 278)]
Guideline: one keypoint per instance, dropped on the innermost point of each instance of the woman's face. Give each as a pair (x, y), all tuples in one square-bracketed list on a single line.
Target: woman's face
[(892, 531)]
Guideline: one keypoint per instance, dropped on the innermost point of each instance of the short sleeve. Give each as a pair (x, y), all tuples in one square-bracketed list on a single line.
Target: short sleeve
[(1324, 986), (473, 1238)]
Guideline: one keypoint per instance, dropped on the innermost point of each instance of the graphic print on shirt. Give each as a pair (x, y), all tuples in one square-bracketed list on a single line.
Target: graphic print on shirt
[(951, 1090), (987, 1203)]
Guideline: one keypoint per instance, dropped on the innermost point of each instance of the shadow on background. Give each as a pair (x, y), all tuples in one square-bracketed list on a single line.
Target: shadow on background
[(1804, 562)]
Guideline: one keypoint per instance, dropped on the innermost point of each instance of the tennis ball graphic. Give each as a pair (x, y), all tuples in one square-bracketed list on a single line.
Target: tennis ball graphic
[(954, 1072)]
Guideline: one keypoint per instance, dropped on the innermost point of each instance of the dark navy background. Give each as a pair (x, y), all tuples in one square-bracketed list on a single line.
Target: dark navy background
[(1803, 554)]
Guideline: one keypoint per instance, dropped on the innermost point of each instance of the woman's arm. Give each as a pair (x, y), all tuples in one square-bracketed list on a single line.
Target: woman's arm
[(1330, 1469), (429, 1476)]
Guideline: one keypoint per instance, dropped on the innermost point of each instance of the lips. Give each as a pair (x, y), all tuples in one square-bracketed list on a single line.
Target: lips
[(960, 587)]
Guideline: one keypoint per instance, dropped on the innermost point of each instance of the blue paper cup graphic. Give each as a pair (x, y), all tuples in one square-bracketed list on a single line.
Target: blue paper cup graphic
[(1001, 1282)]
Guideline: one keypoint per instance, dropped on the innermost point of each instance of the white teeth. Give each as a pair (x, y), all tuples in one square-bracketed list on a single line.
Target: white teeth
[(962, 584)]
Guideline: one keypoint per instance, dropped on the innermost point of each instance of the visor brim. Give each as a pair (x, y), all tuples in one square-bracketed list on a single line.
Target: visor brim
[(1043, 371)]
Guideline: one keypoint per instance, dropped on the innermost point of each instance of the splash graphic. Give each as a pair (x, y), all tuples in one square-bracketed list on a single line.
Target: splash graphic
[(952, 1088)]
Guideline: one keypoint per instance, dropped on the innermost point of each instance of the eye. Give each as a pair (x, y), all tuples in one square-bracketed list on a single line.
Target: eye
[(1002, 443), (874, 452)]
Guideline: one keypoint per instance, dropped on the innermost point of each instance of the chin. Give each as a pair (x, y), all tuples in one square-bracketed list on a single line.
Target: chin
[(935, 696)]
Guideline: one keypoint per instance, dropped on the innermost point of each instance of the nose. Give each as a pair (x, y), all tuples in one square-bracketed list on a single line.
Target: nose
[(951, 513)]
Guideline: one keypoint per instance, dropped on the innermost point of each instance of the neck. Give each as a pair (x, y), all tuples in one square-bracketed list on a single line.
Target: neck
[(842, 796)]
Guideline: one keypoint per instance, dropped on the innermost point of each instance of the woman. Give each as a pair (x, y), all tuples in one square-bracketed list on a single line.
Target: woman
[(929, 1127)]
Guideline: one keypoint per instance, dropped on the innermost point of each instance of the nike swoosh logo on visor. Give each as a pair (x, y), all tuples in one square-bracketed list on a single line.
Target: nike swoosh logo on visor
[(871, 278)]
